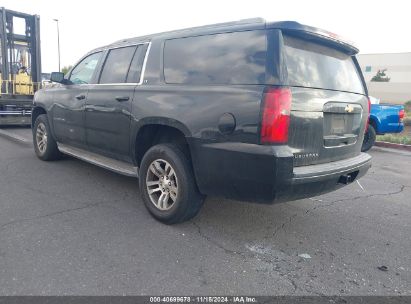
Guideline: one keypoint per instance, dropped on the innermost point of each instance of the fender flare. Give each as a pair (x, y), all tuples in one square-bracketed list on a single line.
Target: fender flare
[(155, 120), (51, 123), (375, 121), (37, 108)]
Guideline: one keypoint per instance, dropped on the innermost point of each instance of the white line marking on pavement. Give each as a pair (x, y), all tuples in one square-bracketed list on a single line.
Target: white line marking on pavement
[(358, 182)]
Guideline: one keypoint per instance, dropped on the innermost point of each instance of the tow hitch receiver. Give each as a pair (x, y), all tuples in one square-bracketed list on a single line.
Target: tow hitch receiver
[(348, 178)]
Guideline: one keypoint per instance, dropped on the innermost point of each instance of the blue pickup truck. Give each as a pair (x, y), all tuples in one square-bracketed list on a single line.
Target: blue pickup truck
[(384, 118)]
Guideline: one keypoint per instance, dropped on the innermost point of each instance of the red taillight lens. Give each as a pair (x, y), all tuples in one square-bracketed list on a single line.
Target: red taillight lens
[(401, 114), (276, 115), (368, 118)]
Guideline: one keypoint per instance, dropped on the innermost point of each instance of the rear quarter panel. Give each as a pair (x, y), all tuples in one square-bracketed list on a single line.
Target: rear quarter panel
[(197, 111), (200, 108)]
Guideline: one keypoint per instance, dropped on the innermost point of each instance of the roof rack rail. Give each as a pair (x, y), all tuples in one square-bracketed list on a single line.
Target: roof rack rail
[(208, 26)]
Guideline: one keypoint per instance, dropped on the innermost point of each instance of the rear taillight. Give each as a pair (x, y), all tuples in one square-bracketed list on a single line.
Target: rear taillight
[(401, 115), (276, 115), (368, 117)]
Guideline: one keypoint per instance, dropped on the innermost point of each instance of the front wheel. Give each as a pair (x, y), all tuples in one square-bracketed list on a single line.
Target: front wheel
[(369, 139), (167, 185), (44, 144)]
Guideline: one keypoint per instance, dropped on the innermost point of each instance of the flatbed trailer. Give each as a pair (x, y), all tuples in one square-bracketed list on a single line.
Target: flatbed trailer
[(20, 66)]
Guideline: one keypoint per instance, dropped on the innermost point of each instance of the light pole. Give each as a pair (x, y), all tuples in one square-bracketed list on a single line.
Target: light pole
[(58, 40)]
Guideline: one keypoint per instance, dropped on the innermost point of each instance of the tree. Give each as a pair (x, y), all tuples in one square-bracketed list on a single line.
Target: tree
[(381, 76), (65, 69)]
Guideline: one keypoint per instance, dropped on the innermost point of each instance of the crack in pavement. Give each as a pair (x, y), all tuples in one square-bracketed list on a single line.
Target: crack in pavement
[(282, 227), (402, 187), (208, 239), (381, 179), (60, 212), (40, 191), (11, 162), (245, 255), (293, 283), (291, 218), (48, 215)]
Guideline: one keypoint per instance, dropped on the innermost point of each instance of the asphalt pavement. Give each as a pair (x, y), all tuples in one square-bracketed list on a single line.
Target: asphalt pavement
[(70, 228)]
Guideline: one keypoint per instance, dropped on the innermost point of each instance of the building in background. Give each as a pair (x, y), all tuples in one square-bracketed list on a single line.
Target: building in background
[(397, 67)]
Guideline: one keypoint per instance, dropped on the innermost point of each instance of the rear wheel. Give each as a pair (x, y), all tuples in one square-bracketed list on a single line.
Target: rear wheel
[(44, 144), (167, 185), (369, 139)]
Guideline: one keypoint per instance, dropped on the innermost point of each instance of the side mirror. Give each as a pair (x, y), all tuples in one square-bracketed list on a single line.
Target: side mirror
[(57, 77)]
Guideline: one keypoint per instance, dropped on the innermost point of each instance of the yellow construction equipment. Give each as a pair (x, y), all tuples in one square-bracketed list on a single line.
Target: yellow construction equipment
[(20, 66)]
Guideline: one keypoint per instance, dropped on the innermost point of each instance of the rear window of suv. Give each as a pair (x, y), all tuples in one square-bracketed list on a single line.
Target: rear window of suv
[(317, 66), (228, 58)]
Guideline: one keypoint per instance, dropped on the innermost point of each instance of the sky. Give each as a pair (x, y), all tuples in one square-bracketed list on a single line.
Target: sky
[(373, 26)]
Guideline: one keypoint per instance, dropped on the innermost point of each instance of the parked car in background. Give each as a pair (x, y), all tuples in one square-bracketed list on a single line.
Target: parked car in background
[(256, 111), (384, 118)]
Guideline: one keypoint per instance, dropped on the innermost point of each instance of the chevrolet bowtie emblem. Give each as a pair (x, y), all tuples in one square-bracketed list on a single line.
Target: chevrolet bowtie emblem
[(349, 109)]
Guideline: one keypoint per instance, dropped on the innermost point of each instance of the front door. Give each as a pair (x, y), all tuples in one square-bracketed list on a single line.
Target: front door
[(67, 112)]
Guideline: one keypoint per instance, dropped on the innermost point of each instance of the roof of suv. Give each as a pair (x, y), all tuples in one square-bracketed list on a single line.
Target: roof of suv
[(291, 27)]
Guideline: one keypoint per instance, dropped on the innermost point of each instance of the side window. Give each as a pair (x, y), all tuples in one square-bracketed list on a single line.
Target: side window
[(117, 65), (137, 64), (83, 72), (228, 58)]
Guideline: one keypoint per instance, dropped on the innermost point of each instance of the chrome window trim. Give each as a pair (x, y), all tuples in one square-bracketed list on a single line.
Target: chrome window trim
[(143, 67)]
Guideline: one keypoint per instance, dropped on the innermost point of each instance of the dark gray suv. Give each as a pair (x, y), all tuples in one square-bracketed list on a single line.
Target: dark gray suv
[(256, 111)]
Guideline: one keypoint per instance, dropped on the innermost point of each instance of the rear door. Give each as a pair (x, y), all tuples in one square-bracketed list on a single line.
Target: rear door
[(109, 103), (329, 105)]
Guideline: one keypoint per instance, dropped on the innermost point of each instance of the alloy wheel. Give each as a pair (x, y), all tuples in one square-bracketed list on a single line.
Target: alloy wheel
[(41, 137), (162, 184)]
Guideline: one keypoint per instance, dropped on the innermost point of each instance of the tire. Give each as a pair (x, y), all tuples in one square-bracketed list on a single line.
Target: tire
[(181, 199), (369, 139), (44, 144)]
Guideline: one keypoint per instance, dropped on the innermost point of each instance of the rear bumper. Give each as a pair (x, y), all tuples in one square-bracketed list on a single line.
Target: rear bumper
[(390, 128), (266, 174), (314, 180)]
